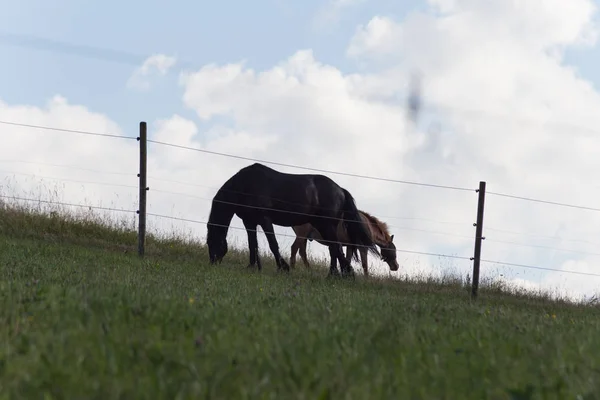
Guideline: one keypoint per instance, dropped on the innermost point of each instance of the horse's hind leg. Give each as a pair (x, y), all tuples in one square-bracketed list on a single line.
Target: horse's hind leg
[(299, 244), (349, 254), (293, 251), (303, 253), (274, 246)]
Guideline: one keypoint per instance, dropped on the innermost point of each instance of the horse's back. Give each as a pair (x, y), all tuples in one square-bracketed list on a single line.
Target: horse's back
[(262, 172), (266, 179), (266, 187), (262, 186)]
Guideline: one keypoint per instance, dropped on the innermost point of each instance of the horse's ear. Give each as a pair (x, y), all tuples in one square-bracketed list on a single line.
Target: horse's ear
[(392, 238)]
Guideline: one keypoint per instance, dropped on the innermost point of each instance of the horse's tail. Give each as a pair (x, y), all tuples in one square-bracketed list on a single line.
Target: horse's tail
[(358, 233)]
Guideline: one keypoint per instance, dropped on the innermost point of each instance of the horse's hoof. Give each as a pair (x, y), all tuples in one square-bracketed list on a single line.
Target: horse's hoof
[(283, 265), (349, 274), (332, 274)]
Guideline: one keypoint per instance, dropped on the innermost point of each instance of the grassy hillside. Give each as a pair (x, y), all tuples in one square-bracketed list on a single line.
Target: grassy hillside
[(81, 316)]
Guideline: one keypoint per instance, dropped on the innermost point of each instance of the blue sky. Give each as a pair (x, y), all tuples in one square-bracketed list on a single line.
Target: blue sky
[(261, 32)]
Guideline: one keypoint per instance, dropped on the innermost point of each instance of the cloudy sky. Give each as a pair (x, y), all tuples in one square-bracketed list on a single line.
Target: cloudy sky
[(509, 94)]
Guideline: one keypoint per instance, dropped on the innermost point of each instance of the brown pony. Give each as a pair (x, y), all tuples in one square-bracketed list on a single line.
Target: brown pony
[(378, 230)]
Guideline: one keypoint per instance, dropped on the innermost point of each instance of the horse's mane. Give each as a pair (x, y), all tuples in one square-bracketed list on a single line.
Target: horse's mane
[(381, 226)]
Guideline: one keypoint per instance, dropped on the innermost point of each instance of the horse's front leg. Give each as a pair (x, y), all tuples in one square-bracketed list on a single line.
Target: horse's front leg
[(363, 259), (252, 245), (333, 271), (274, 246)]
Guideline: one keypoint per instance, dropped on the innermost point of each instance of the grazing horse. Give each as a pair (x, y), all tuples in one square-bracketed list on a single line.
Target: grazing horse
[(379, 232), (260, 195)]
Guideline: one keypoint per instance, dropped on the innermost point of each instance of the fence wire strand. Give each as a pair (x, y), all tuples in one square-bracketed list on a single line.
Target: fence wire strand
[(397, 250), (48, 128), (310, 168), (282, 201), (70, 167), (539, 268), (541, 247), (206, 198), (299, 236), (68, 204), (70, 180), (334, 218), (555, 203), (536, 235)]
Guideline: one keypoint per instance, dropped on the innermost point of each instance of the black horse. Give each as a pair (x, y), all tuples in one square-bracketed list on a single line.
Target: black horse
[(260, 195)]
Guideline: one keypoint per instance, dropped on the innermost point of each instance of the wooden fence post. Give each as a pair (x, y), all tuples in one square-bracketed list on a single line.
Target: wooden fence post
[(143, 189), (478, 238)]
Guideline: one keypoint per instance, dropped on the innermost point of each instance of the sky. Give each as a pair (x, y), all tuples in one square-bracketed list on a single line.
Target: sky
[(509, 93)]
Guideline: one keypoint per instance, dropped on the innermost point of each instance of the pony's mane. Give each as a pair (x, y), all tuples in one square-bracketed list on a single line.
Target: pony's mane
[(381, 226)]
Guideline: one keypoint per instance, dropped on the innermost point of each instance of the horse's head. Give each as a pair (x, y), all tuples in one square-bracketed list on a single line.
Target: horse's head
[(388, 254), (217, 244)]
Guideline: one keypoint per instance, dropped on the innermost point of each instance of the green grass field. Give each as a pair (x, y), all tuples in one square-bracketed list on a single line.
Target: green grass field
[(81, 316)]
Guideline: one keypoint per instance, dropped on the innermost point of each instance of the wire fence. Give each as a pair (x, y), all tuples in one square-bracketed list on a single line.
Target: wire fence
[(476, 238)]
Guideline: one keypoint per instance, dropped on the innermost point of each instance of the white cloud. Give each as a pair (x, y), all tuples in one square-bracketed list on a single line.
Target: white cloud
[(26, 150), (304, 112), (377, 38), (155, 65), (537, 22)]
